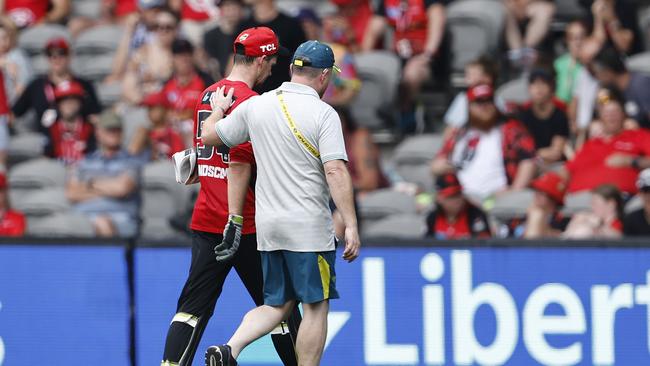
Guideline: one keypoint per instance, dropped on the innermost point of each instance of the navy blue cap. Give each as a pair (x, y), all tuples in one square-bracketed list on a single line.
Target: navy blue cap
[(314, 54)]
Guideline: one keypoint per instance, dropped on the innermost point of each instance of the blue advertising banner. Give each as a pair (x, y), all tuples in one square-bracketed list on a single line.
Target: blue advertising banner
[(421, 306), (63, 306)]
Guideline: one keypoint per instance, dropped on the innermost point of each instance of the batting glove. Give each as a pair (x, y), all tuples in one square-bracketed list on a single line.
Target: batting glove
[(231, 237)]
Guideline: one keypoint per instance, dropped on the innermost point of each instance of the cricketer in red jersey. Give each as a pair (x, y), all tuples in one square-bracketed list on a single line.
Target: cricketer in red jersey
[(224, 176)]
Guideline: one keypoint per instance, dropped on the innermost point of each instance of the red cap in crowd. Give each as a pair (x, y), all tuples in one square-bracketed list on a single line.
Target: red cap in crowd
[(3, 181), (57, 43), (480, 92), (447, 185), (552, 184), (256, 42), (156, 99), (66, 89)]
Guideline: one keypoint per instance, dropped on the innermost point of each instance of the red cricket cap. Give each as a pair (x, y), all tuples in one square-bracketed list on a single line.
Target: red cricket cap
[(156, 99), (66, 89), (447, 185), (256, 42), (481, 91), (57, 43), (552, 184)]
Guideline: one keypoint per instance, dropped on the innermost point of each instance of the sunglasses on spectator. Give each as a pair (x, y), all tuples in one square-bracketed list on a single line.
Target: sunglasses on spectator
[(165, 27), (483, 101)]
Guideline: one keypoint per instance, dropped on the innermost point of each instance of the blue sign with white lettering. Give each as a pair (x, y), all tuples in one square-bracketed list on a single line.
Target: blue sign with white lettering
[(63, 305), (421, 306)]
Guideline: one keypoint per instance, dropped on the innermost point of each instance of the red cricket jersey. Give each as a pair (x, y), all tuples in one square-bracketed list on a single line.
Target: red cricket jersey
[(588, 169), (182, 97), (211, 207), (165, 142), (124, 7), (71, 144), (26, 12), (198, 10), (410, 21), (12, 223)]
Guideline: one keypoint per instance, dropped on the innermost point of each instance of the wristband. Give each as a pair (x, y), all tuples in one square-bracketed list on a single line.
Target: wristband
[(236, 219)]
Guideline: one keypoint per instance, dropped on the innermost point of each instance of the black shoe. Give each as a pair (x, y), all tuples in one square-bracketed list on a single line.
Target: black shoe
[(219, 356)]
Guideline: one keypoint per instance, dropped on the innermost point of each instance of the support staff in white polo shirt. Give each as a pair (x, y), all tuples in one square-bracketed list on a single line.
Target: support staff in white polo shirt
[(300, 153)]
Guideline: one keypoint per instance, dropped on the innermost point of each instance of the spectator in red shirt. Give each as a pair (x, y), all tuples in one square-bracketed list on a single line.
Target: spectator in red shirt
[(616, 156), (163, 141), (454, 217), (357, 13), (25, 13), (71, 136), (544, 218), (545, 118), (604, 219), (420, 40), (12, 222), (184, 88), (196, 17), (490, 154)]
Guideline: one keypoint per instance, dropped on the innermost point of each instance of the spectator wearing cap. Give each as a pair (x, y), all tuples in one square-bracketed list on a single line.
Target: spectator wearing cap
[(491, 154), (105, 185), (615, 156), (604, 218), (26, 13), (139, 29), (527, 29), (265, 13), (12, 222), (637, 223), (71, 137), (568, 66), (545, 118), (544, 218), (161, 139), (15, 64), (609, 68), (152, 64), (184, 89), (482, 70), (39, 94), (420, 40), (218, 40), (454, 217)]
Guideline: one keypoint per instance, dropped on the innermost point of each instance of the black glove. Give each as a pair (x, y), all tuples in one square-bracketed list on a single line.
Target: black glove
[(231, 237)]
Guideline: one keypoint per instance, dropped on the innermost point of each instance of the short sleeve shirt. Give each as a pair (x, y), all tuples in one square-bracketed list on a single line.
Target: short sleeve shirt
[(544, 130), (292, 196)]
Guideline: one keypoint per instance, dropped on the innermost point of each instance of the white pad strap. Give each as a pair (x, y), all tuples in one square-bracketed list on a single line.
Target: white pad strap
[(186, 318)]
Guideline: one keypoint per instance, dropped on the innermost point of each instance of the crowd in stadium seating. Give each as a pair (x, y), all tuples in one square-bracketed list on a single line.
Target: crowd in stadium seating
[(492, 118)]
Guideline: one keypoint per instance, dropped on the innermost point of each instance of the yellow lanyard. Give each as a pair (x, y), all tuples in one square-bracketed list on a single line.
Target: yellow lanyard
[(294, 129)]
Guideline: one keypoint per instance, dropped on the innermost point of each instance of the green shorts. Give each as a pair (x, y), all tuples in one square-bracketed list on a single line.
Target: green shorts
[(307, 277)]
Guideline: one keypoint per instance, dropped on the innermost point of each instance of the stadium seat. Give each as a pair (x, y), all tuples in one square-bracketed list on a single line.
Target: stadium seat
[(32, 40), (644, 25), (61, 225), (86, 8), (576, 202), (98, 40), (514, 91), (419, 174), (43, 202), (512, 204), (384, 202), (37, 173), (162, 196), (401, 226), (108, 94), (40, 64), (380, 72), (640, 63), (93, 67), (417, 149), (157, 228), (133, 117), (24, 147), (476, 27)]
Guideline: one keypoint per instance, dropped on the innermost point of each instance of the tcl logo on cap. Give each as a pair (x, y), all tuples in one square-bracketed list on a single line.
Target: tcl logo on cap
[(268, 47)]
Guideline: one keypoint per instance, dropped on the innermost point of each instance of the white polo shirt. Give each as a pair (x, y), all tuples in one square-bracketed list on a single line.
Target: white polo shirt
[(291, 193)]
